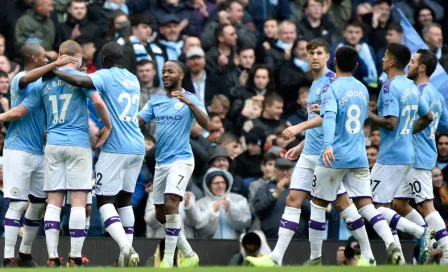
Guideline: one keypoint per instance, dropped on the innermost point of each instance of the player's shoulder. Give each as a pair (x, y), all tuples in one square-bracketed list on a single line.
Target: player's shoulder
[(192, 95), (330, 76)]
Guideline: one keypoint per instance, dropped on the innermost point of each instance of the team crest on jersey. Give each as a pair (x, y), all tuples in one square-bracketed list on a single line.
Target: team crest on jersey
[(318, 90), (178, 105), (15, 191)]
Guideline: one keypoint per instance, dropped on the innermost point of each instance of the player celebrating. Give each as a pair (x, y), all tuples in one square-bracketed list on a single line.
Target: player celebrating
[(24, 161), (302, 179), (344, 110), (418, 183), (398, 105), (122, 155), (68, 157), (174, 113)]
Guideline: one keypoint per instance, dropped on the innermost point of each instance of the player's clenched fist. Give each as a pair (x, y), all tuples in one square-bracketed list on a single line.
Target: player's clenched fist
[(182, 97)]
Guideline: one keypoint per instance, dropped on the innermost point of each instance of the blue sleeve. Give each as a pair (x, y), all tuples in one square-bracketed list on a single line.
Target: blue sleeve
[(328, 101), (329, 127), (88, 93), (443, 122), (423, 105), (198, 103), (98, 78), (33, 100), (147, 113), (391, 106)]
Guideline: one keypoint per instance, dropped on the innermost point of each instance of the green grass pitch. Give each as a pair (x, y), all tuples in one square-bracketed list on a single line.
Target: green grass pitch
[(410, 268)]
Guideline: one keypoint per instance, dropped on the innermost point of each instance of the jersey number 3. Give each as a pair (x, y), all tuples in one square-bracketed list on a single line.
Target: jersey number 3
[(59, 118)]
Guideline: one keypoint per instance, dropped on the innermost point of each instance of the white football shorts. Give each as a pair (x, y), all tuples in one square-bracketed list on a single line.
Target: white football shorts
[(385, 181), (418, 185)]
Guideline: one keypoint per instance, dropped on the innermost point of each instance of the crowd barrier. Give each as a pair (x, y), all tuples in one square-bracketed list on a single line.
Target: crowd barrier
[(104, 251)]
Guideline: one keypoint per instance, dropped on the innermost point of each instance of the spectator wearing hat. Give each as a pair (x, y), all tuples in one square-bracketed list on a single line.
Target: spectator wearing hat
[(189, 42), (220, 159), (248, 162), (220, 214), (204, 84), (169, 43), (270, 200)]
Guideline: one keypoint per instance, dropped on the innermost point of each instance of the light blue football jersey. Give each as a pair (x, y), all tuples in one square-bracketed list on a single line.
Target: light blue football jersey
[(399, 97), (174, 121), (26, 134), (120, 91), (348, 98), (314, 137), (425, 141), (66, 111)]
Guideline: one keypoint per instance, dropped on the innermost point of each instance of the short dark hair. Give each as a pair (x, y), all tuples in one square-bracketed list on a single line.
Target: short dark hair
[(113, 53), (400, 53), (140, 19), (395, 27), (220, 30), (268, 156), (3, 74), (346, 58), (355, 23), (146, 61), (428, 59), (315, 43), (181, 66), (270, 99), (243, 48), (372, 146)]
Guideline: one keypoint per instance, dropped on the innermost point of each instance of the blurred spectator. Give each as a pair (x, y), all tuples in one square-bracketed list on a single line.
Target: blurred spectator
[(363, 9), (432, 34), (292, 74), (118, 26), (440, 193), (253, 244), (409, 7), (77, 26), (261, 11), (236, 76), (366, 71), (147, 75), (340, 11), (301, 114), (220, 159), (372, 155), (89, 49), (220, 105), (222, 56), (104, 14), (267, 39), (216, 129), (394, 35), (220, 214), (316, 25), (267, 167), (350, 254), (201, 148), (287, 34), (270, 200), (141, 37), (181, 9), (248, 163), (2, 45), (377, 23), (270, 119), (4, 91), (375, 137), (26, 30), (423, 16), (204, 84), (11, 68), (231, 144), (233, 15), (442, 150), (189, 42)]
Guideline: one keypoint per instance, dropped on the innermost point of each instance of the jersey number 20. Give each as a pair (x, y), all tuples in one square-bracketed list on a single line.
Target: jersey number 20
[(59, 118)]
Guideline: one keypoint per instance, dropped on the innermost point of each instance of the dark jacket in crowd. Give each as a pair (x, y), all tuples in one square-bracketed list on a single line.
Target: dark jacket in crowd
[(37, 28), (274, 56), (260, 10), (213, 86), (89, 31), (248, 166), (269, 126), (326, 31), (184, 11), (212, 62), (246, 37)]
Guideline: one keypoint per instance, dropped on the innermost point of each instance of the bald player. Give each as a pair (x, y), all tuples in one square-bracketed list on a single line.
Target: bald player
[(24, 162), (174, 113), (68, 156)]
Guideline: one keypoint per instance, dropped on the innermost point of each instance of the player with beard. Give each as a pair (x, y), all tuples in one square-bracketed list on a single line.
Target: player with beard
[(418, 183), (175, 113)]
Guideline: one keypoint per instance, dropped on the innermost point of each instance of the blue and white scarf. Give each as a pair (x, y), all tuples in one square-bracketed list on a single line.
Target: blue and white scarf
[(173, 49)]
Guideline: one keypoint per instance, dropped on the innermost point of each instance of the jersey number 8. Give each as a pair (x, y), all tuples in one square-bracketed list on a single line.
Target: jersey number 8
[(353, 114)]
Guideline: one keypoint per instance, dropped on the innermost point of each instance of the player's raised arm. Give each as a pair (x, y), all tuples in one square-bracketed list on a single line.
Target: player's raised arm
[(101, 108), (199, 114), (76, 80), (37, 73)]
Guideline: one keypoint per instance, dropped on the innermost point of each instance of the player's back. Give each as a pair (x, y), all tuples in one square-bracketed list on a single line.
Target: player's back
[(350, 98), (424, 142), (399, 97), (314, 136), (66, 112), (120, 90), (25, 134)]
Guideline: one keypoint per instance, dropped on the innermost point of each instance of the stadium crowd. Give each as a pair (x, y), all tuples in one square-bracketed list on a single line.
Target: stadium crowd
[(246, 59)]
